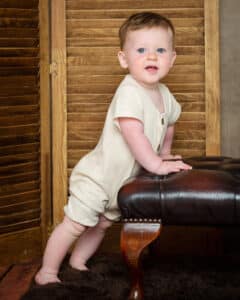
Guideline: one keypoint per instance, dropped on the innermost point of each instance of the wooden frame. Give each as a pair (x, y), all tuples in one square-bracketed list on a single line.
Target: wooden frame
[(45, 119), (59, 130), (59, 111), (212, 77)]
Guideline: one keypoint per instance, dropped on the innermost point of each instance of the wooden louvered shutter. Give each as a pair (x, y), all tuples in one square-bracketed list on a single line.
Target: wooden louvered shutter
[(20, 184)]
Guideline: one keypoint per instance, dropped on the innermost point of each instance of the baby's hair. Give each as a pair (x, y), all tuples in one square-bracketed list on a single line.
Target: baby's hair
[(144, 20)]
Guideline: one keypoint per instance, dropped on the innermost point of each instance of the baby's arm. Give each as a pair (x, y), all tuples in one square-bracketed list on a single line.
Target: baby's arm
[(133, 133), (165, 152)]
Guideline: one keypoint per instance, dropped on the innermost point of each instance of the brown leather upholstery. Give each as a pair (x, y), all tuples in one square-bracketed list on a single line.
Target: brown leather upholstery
[(209, 194)]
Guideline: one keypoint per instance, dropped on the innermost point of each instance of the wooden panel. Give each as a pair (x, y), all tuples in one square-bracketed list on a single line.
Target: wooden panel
[(19, 121), (93, 71)]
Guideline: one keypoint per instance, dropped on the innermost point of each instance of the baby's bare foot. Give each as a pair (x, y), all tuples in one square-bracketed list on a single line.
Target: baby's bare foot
[(44, 277)]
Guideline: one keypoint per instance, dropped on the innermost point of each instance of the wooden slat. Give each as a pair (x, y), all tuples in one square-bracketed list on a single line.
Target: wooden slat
[(15, 199), (9, 71), (125, 4), (189, 39), (8, 52), (192, 33), (30, 4), (20, 140), (116, 23), (20, 109), (18, 42), (18, 168), (19, 100), (19, 32), (18, 13), (110, 13), (30, 205), (6, 181), (27, 215), (13, 131), (19, 61), (19, 277), (21, 226), (19, 22), (19, 120), (19, 188)]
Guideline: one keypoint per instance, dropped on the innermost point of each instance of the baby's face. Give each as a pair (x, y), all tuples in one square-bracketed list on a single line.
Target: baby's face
[(148, 54)]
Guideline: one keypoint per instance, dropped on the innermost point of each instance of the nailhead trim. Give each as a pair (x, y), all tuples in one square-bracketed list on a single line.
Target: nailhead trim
[(140, 220)]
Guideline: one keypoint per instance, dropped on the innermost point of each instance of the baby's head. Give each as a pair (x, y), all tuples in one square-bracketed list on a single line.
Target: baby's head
[(145, 20), (147, 47)]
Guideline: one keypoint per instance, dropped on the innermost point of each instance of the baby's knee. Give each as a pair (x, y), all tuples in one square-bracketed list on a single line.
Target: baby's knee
[(104, 223), (74, 228)]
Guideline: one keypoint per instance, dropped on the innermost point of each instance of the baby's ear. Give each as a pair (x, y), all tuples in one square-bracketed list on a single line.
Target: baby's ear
[(122, 59), (174, 56)]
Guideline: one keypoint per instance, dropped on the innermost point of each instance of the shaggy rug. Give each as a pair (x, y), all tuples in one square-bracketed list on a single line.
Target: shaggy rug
[(164, 278)]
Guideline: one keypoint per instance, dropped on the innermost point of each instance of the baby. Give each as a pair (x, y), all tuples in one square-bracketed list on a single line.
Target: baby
[(138, 132)]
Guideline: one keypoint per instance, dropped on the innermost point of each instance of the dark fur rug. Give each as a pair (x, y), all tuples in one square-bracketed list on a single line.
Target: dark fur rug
[(165, 278)]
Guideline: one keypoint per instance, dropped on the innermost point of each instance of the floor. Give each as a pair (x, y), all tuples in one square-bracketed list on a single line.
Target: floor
[(16, 279)]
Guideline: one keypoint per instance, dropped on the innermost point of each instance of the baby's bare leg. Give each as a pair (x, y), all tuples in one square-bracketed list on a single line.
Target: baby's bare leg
[(88, 243), (58, 244)]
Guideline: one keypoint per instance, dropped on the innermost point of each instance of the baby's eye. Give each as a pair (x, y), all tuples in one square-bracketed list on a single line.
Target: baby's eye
[(161, 50), (141, 50)]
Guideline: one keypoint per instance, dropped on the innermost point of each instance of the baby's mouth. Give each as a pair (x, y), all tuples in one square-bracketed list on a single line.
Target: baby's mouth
[(151, 68)]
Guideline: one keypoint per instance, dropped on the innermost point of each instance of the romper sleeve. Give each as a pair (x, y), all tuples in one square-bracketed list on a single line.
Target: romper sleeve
[(128, 103), (173, 108)]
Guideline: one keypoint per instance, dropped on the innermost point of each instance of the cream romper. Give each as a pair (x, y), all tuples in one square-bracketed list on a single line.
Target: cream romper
[(98, 176)]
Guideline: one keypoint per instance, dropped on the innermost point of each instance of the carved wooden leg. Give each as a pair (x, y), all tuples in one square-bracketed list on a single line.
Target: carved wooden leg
[(134, 238)]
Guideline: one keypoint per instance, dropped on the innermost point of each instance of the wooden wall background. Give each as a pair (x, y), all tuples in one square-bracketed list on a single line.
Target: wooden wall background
[(85, 74)]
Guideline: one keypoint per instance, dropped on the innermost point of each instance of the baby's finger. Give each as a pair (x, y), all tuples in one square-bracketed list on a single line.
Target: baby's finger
[(186, 166)]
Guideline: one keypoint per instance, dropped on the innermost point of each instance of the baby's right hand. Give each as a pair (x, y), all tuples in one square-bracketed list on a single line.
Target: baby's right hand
[(166, 167)]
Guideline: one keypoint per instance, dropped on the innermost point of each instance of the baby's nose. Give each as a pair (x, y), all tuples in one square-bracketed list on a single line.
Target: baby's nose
[(152, 55)]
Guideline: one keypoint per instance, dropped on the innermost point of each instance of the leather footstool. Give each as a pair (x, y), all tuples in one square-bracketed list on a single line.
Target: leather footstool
[(207, 195)]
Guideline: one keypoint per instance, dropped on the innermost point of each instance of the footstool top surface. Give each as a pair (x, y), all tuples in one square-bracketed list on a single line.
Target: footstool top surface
[(209, 194)]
